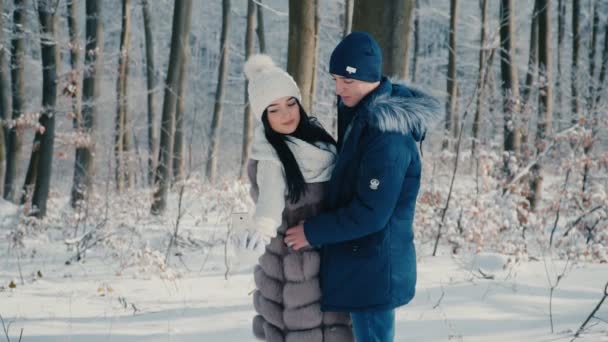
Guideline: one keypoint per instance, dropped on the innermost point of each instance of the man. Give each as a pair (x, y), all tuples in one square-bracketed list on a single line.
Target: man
[(368, 264)]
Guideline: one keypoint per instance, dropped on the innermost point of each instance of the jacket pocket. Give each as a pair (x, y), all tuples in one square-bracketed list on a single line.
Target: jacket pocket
[(375, 244)]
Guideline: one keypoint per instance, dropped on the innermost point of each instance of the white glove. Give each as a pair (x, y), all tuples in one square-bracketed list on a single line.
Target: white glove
[(251, 240)]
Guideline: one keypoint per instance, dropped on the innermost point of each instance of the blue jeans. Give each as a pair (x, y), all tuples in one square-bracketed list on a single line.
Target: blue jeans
[(374, 326)]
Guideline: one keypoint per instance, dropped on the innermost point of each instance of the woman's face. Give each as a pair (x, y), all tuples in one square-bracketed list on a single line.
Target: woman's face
[(284, 115)]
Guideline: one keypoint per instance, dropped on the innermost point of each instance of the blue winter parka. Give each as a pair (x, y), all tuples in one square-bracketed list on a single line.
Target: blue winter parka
[(368, 260)]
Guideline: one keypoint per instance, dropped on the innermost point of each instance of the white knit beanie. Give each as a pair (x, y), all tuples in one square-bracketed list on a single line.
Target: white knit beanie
[(267, 82)]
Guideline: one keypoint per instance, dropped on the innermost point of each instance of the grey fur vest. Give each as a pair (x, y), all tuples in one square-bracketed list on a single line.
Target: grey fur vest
[(287, 295)]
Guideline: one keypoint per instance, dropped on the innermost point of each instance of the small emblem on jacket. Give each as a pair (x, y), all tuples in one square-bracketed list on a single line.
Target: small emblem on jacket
[(374, 183), (351, 70)]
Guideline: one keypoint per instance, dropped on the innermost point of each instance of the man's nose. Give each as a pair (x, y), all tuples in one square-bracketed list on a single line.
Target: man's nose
[(338, 88)]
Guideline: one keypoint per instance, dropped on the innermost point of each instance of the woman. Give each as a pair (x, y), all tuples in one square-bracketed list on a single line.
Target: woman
[(291, 161)]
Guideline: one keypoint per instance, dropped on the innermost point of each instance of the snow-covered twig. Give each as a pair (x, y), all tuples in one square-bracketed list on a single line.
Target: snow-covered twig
[(559, 208), (6, 328), (458, 144), (440, 298), (279, 13), (575, 222), (592, 314), (553, 287), (506, 188)]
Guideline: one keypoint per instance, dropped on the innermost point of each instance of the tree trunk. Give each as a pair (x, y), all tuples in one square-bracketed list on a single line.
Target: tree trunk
[(14, 141), (303, 47), (85, 158), (151, 82), (252, 9), (32, 172), (416, 41), (576, 44), (216, 123), (604, 68), (530, 80), (178, 142), (179, 34), (122, 142), (452, 85), (50, 58), (592, 53), (74, 88), (482, 66), (593, 87), (390, 24), (510, 85), (260, 28), (348, 17), (561, 34), (5, 100), (545, 108), (532, 58)]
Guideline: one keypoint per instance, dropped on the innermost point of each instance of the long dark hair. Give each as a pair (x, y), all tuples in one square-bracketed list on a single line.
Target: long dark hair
[(310, 130)]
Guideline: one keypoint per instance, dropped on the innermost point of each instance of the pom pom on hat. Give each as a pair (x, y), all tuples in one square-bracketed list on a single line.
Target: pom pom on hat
[(267, 83), (257, 64)]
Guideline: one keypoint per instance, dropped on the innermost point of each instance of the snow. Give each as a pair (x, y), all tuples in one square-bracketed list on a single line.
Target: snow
[(93, 301)]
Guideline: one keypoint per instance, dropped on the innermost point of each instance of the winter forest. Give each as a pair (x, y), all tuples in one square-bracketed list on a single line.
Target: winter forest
[(126, 132)]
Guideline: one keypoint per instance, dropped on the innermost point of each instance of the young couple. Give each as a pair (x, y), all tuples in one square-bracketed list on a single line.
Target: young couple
[(335, 218)]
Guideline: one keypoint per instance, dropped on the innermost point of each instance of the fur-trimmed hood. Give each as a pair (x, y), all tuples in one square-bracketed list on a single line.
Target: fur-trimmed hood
[(397, 107)]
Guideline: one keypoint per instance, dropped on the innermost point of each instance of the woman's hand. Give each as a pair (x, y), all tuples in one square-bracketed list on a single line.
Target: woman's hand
[(295, 238)]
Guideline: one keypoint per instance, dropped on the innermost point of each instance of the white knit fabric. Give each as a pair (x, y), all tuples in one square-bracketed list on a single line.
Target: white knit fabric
[(316, 163), (267, 83)]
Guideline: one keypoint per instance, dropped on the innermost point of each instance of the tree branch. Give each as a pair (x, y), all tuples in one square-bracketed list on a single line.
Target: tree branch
[(538, 158), (592, 314)]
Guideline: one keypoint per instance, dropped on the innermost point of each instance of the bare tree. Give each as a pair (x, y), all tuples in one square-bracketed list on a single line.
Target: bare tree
[(151, 82), (545, 108), (260, 28), (252, 10), (302, 49), (73, 89), (348, 17), (532, 58), (390, 24), (508, 67), (595, 27), (604, 67), (14, 141), (591, 105), (85, 157), (122, 141), (451, 113), (216, 123), (416, 41), (530, 79), (178, 142), (576, 46), (46, 135), (561, 34), (179, 33), (5, 99), (482, 60)]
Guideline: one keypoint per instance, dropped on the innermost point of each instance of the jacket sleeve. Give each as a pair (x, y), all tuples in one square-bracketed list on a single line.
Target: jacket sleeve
[(377, 189), (271, 200)]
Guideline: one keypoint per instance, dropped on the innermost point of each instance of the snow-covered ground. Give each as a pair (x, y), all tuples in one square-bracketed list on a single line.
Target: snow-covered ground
[(91, 302)]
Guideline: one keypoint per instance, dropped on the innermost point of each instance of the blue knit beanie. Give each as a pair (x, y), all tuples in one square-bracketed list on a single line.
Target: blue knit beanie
[(357, 56)]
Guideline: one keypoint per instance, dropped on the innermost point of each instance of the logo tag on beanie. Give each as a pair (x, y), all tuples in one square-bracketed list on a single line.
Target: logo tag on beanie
[(351, 70)]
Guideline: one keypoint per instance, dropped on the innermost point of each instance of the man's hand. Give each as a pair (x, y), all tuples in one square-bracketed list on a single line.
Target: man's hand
[(295, 238)]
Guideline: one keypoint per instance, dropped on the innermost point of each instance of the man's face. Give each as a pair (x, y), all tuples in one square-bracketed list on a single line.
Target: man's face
[(352, 91)]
